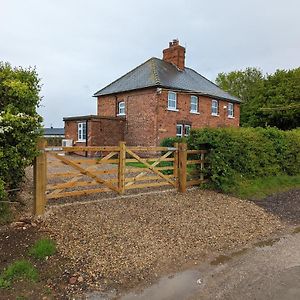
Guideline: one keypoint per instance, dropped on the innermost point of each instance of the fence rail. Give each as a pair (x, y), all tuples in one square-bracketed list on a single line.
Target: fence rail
[(122, 168)]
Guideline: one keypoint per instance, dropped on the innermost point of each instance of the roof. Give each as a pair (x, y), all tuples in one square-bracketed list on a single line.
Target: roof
[(156, 72), (89, 117), (54, 131)]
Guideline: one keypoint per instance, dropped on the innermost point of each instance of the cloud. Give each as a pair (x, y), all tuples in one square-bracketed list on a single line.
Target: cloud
[(80, 46)]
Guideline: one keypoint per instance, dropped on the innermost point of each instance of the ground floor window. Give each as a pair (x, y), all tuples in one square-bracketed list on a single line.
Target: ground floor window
[(82, 131), (183, 130), (230, 112)]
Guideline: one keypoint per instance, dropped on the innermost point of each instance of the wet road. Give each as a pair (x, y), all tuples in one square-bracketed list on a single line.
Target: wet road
[(270, 270)]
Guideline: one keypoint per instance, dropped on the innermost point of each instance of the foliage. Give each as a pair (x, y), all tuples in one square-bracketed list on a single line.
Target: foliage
[(43, 248), (247, 153), (170, 141), (268, 100), (18, 269), (54, 141), (20, 125)]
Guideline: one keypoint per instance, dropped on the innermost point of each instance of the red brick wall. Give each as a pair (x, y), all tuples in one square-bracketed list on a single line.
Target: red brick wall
[(148, 120), (141, 126), (101, 132), (167, 120)]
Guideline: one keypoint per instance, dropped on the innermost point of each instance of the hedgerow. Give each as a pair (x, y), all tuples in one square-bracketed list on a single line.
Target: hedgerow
[(237, 153)]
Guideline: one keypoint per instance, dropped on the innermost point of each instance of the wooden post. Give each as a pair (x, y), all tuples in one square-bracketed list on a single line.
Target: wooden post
[(176, 164), (122, 166), (202, 167), (40, 179), (182, 163)]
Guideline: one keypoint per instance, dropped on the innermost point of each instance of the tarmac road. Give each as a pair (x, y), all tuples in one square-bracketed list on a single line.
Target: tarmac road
[(269, 271)]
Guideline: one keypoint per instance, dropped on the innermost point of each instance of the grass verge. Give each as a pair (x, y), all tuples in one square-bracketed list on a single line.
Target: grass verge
[(259, 188), (19, 269), (42, 248)]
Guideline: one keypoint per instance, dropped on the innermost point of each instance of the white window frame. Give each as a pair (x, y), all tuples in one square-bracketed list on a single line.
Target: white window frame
[(81, 131), (179, 126), (121, 108), (185, 127), (214, 107), (230, 110), (194, 105), (172, 102)]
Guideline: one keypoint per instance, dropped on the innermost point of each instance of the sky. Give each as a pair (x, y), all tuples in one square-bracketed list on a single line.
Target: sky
[(80, 46)]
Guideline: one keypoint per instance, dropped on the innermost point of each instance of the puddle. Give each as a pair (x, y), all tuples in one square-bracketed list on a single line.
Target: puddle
[(266, 243), (178, 287), (221, 259)]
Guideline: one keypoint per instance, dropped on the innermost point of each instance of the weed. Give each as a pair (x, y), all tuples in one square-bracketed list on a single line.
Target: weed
[(18, 269), (42, 248)]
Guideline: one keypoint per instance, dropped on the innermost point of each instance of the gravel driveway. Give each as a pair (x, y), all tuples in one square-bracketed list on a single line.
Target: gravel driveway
[(126, 242)]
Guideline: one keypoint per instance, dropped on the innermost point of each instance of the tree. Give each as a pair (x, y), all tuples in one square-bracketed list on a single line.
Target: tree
[(20, 124), (267, 100)]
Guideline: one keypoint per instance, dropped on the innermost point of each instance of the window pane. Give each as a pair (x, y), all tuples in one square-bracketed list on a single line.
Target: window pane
[(214, 107), (172, 100), (122, 108), (194, 103), (179, 128), (187, 130)]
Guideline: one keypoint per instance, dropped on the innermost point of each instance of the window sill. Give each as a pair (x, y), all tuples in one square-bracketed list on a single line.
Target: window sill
[(229, 117), (121, 115), (195, 112), (173, 109), (215, 115), (80, 141)]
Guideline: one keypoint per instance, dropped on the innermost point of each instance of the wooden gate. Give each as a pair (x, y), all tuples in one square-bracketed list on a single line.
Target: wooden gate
[(59, 174)]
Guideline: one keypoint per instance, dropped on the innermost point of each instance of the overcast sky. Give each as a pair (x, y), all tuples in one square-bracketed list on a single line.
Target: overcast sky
[(80, 46)]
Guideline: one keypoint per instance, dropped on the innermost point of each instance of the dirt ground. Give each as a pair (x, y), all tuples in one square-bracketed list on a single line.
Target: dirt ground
[(54, 273)]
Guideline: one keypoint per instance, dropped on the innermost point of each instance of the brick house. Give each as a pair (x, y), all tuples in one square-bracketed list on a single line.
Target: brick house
[(159, 98)]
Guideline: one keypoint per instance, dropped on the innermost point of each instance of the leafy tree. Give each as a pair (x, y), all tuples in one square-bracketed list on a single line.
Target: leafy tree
[(20, 124), (268, 100)]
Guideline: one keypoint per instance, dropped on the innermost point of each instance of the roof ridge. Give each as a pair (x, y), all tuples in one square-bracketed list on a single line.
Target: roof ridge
[(154, 70), (131, 71)]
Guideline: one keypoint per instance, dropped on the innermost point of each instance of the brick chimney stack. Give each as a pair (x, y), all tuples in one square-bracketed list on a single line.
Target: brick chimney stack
[(175, 54)]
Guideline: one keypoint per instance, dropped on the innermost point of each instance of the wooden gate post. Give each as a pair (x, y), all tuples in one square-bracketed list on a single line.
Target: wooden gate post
[(122, 166), (40, 179), (182, 164), (176, 154)]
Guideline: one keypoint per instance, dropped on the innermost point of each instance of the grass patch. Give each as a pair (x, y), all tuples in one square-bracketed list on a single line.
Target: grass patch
[(19, 269), (259, 188), (42, 248)]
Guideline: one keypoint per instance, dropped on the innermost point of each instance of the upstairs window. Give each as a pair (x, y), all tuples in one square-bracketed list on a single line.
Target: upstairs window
[(81, 131), (172, 101), (121, 108), (230, 112), (194, 104), (214, 107)]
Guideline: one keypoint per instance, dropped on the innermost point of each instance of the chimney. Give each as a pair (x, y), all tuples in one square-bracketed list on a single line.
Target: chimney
[(175, 54)]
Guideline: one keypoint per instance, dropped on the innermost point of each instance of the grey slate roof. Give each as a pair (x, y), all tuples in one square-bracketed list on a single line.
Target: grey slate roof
[(159, 73), (54, 131)]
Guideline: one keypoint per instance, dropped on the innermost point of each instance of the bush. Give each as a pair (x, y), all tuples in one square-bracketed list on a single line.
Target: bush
[(170, 141), (237, 153), (20, 125), (42, 248)]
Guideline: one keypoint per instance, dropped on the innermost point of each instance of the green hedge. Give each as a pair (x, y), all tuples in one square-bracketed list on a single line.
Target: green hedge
[(237, 153)]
